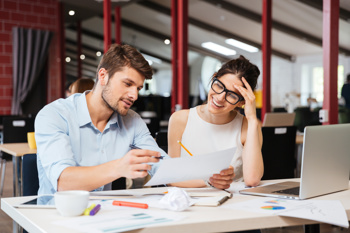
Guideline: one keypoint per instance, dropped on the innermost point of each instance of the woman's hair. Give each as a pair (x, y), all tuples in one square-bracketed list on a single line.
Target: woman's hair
[(119, 56), (241, 67), (81, 85)]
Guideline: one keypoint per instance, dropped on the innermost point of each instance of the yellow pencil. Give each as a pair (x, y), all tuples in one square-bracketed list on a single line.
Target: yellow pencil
[(184, 147)]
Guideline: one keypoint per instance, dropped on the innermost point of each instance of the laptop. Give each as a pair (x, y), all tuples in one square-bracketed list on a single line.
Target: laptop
[(279, 119), (325, 165)]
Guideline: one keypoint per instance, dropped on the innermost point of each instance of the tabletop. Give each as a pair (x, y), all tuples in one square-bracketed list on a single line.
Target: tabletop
[(17, 149), (196, 218)]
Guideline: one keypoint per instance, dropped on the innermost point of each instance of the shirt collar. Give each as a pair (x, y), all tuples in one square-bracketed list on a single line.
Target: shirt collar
[(82, 110), (84, 115)]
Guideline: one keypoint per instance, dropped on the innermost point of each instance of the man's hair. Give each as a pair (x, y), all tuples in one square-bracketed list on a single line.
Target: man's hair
[(119, 56), (242, 68), (348, 78)]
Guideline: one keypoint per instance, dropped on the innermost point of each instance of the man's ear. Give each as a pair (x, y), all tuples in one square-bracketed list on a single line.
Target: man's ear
[(103, 76)]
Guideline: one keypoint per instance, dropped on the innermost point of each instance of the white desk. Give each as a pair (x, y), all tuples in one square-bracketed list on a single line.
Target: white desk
[(198, 219)]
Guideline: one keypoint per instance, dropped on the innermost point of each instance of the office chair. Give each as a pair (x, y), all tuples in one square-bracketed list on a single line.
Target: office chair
[(162, 140), (278, 151), (15, 129), (30, 178)]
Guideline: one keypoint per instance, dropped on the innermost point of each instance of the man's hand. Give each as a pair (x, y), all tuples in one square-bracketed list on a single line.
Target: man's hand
[(224, 179), (135, 163)]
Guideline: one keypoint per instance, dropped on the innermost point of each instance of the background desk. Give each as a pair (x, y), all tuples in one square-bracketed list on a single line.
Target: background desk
[(17, 150), (198, 219)]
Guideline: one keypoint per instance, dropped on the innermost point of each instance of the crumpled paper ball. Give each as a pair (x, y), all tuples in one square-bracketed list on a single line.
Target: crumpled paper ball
[(176, 199)]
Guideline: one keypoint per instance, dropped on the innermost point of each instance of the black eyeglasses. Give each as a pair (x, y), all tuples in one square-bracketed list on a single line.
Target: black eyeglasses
[(231, 96)]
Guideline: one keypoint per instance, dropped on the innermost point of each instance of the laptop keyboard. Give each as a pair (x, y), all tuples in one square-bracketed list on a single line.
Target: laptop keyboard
[(294, 191)]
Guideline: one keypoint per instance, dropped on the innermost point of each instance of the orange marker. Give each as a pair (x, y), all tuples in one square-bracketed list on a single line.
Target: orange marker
[(130, 204), (184, 147)]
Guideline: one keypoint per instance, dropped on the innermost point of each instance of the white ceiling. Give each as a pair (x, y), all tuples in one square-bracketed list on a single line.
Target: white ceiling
[(291, 14)]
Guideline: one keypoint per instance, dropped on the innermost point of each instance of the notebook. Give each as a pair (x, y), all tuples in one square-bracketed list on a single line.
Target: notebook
[(325, 165), (279, 119)]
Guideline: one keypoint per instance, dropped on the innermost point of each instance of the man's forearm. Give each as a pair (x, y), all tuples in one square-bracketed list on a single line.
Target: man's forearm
[(87, 178)]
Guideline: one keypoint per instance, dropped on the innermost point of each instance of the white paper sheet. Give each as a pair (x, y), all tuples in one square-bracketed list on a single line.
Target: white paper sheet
[(120, 220), (192, 168), (331, 212)]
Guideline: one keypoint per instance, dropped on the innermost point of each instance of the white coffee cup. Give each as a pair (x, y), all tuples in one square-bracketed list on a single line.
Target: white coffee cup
[(71, 203)]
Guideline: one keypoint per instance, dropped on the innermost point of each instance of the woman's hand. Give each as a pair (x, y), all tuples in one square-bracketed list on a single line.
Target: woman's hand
[(249, 97), (222, 180)]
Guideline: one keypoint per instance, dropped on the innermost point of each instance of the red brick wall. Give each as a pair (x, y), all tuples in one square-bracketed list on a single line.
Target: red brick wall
[(38, 14)]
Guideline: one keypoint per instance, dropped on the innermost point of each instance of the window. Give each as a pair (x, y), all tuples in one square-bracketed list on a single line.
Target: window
[(318, 83)]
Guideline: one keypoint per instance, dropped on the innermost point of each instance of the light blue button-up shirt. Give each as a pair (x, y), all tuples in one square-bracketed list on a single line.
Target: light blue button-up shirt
[(66, 136)]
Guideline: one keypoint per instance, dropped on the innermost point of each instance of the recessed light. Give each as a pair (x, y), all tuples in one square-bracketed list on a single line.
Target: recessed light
[(242, 45), (71, 12), (218, 48), (98, 53), (68, 59), (166, 41), (82, 56)]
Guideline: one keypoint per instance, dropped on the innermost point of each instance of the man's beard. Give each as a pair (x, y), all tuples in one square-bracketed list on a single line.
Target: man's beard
[(116, 108)]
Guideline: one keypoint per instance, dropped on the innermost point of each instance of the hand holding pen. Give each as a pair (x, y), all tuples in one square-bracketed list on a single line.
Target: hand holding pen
[(136, 163), (135, 147)]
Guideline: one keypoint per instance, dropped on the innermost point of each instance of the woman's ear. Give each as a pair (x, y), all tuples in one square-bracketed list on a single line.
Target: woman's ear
[(241, 104)]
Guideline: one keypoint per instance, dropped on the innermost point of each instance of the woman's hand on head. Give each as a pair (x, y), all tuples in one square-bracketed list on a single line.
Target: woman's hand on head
[(249, 98), (224, 179)]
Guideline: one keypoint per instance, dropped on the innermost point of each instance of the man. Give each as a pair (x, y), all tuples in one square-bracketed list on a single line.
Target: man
[(345, 92), (84, 141)]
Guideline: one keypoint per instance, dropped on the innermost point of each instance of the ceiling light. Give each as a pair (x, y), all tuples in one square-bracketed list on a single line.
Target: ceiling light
[(242, 45), (149, 62), (151, 58), (218, 48), (98, 53), (71, 12), (82, 57), (166, 41), (68, 59)]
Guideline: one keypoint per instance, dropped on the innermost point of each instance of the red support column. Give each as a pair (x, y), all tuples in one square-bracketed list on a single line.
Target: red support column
[(266, 53), (107, 24), (79, 48), (118, 24), (174, 86), (182, 41), (330, 58), (61, 42)]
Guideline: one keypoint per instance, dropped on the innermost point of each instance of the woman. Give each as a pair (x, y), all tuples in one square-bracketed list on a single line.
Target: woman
[(218, 125), (81, 85)]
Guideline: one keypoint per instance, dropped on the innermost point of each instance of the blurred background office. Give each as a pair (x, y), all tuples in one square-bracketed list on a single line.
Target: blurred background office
[(72, 38), (46, 45)]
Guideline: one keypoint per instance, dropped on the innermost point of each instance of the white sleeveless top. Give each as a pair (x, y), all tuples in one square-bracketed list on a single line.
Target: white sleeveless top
[(201, 137)]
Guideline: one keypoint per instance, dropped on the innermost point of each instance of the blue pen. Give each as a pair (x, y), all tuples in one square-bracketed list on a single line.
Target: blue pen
[(135, 147)]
